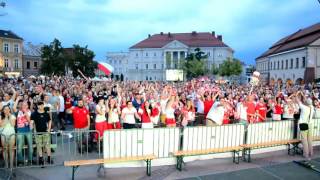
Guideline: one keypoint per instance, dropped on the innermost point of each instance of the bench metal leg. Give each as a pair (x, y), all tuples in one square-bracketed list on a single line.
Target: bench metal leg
[(104, 170), (236, 159), (179, 163), (246, 154), (74, 169), (148, 161)]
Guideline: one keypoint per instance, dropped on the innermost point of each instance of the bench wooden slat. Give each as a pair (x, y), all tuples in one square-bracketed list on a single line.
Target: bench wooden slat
[(111, 160), (207, 151), (316, 138), (271, 143), (53, 146)]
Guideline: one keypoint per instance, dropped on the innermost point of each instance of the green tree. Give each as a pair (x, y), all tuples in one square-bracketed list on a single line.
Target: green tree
[(230, 67), (82, 59), (195, 64), (214, 69), (53, 59)]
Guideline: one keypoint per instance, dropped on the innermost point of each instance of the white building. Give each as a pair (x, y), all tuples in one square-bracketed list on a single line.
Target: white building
[(295, 57), (119, 60), (147, 60)]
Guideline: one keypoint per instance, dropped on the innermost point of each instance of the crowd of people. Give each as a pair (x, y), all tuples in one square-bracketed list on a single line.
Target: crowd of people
[(47, 104)]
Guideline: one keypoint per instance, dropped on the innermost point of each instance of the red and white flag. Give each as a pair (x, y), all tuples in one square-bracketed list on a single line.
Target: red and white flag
[(106, 68)]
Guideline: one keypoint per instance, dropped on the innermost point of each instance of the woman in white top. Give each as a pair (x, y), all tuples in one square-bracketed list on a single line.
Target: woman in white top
[(7, 124), (100, 120), (128, 116), (305, 124), (113, 114)]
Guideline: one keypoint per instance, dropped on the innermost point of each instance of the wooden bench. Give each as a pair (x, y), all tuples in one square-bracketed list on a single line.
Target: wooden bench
[(316, 138), (181, 154), (76, 163), (248, 147)]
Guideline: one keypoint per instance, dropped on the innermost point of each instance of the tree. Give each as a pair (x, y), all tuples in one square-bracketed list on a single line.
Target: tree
[(195, 64), (230, 67), (82, 59), (53, 59), (214, 69)]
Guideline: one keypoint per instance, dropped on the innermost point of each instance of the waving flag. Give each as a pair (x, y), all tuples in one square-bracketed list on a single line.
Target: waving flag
[(106, 68)]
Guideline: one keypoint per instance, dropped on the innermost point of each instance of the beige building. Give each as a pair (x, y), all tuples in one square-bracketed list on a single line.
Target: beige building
[(31, 59), (10, 53), (293, 58)]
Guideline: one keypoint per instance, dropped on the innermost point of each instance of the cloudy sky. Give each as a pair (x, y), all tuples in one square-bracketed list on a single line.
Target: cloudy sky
[(248, 26)]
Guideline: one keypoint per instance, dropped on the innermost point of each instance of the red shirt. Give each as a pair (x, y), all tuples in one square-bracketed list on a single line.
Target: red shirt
[(207, 106), (262, 111), (80, 117), (251, 110), (278, 109), (68, 104)]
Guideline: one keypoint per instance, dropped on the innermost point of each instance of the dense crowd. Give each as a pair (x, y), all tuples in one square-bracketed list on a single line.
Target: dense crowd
[(47, 104)]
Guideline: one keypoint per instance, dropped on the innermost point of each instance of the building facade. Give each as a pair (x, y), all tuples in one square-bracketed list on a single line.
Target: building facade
[(150, 58), (119, 61), (10, 53), (293, 58), (31, 59)]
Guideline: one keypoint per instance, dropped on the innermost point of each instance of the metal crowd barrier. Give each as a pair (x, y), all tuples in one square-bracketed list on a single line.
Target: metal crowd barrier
[(64, 145), (161, 142)]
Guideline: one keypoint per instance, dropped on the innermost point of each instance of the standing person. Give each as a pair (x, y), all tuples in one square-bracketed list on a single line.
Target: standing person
[(9, 99), (305, 124), (277, 110), (100, 119), (42, 123), (288, 110), (61, 109), (145, 114), (7, 124), (261, 110), (189, 114), (128, 116), (23, 130), (55, 103), (251, 109), (81, 121), (169, 111), (113, 114)]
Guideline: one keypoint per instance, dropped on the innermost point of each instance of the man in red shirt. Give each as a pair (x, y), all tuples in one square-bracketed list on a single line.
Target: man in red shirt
[(261, 110), (251, 109), (81, 120)]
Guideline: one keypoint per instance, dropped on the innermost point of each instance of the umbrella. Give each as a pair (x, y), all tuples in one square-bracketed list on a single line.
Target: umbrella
[(106, 68)]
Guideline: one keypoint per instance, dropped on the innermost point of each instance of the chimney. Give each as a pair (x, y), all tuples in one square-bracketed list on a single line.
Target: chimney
[(149, 35), (161, 33), (194, 33), (213, 34), (219, 37), (169, 34)]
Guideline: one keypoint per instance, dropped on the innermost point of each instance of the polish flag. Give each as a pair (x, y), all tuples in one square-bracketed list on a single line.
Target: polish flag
[(106, 68)]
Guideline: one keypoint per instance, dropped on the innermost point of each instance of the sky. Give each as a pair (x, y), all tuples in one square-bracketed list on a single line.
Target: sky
[(249, 27)]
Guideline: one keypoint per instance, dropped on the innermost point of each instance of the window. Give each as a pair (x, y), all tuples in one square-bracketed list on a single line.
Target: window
[(137, 55), (137, 67), (120, 61), (16, 48), (28, 64), (154, 66), (6, 47), (154, 54), (291, 64), (111, 61), (150, 78), (303, 62), (16, 63), (270, 65), (208, 54), (147, 78), (297, 63), (282, 64), (176, 66), (287, 64), (6, 63), (162, 66), (278, 65), (146, 54), (274, 67), (147, 66), (35, 65)]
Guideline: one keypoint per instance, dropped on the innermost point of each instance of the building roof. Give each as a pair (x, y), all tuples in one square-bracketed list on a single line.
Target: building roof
[(9, 34), (194, 39), (301, 38), (30, 49)]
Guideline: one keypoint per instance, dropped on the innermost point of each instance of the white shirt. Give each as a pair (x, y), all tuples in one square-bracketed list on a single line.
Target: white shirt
[(61, 105), (129, 115), (305, 113), (101, 117), (200, 106)]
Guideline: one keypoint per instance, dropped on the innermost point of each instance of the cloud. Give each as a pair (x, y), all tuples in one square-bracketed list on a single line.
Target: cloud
[(248, 26)]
